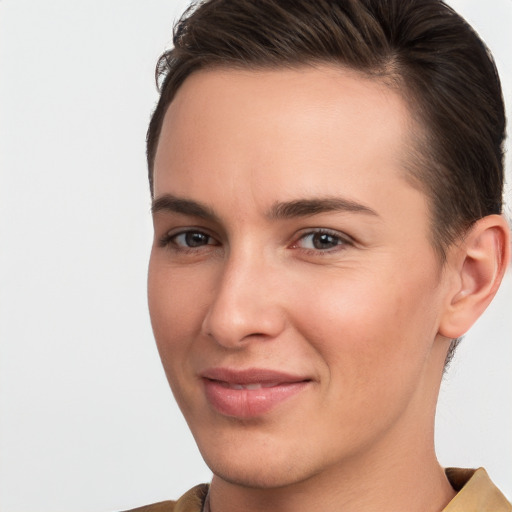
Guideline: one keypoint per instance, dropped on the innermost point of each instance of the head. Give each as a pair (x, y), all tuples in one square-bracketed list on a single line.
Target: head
[(420, 48), (423, 49), (325, 176)]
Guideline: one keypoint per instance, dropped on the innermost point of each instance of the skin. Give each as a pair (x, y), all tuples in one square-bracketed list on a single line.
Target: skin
[(364, 313)]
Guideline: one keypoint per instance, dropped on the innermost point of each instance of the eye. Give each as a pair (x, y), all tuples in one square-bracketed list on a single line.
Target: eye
[(190, 239), (321, 240)]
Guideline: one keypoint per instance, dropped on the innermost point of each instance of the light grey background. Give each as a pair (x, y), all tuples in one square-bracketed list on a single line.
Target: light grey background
[(87, 422)]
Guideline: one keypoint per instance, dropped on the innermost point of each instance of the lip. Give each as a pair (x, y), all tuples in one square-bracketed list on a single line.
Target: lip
[(251, 392)]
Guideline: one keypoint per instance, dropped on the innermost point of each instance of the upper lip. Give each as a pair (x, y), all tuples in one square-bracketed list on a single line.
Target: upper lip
[(251, 376)]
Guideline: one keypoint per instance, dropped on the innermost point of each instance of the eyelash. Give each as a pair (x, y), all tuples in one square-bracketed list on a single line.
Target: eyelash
[(169, 240), (340, 241)]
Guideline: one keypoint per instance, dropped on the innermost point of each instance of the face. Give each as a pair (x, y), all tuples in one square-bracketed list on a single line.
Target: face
[(294, 293)]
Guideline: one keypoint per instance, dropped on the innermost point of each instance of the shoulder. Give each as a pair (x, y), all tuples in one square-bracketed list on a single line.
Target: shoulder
[(191, 501)]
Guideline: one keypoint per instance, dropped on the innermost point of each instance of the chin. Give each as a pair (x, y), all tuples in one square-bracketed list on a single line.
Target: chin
[(270, 475), (260, 466)]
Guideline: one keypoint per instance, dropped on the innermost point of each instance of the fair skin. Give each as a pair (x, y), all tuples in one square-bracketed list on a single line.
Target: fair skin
[(290, 246)]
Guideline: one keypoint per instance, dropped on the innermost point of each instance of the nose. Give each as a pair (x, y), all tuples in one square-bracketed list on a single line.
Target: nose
[(246, 305)]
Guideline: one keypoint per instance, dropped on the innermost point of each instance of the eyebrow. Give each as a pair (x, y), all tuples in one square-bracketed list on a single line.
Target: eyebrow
[(170, 203), (315, 206), (279, 210)]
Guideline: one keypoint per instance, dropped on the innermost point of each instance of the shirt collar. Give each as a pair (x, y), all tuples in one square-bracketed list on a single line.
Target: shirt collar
[(476, 492)]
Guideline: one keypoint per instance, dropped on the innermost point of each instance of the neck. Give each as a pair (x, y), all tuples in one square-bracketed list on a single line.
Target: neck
[(412, 482)]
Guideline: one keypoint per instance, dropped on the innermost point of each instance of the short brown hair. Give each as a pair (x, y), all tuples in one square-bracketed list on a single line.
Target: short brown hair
[(439, 63)]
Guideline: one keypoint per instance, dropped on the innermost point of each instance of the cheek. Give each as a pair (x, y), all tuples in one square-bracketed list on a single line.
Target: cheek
[(365, 327), (176, 312), (175, 309)]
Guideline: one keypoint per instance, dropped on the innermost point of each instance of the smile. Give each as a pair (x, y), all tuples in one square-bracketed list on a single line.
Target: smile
[(249, 386), (249, 393)]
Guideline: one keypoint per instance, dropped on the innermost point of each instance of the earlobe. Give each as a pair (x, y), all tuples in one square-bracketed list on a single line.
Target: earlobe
[(480, 263)]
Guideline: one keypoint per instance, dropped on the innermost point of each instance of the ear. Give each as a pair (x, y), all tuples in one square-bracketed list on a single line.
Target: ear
[(478, 264)]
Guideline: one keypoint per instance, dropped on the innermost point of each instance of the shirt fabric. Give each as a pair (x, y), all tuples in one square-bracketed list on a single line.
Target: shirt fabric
[(475, 493)]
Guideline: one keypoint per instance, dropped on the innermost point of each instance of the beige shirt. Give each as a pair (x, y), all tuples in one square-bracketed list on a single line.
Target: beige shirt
[(476, 493)]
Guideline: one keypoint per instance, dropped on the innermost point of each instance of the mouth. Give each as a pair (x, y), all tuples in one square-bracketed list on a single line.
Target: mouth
[(250, 393), (256, 385)]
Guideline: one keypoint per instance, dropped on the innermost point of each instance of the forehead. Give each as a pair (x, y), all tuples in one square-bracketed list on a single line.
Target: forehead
[(307, 131)]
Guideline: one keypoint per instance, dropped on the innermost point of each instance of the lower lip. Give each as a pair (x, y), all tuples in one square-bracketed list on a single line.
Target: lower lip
[(249, 403)]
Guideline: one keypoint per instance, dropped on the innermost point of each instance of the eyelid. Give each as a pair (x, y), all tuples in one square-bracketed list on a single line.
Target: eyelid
[(345, 239), (167, 239)]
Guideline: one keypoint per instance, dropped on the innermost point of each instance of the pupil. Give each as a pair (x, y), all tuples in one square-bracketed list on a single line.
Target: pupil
[(196, 239), (324, 241)]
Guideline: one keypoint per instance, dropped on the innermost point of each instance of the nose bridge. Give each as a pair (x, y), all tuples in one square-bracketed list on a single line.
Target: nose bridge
[(245, 305)]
